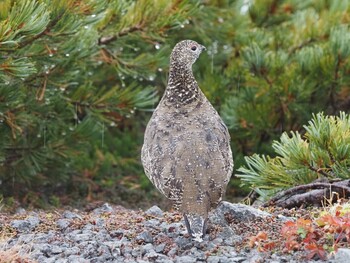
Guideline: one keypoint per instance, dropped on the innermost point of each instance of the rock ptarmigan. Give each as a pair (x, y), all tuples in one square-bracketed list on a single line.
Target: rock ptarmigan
[(186, 152)]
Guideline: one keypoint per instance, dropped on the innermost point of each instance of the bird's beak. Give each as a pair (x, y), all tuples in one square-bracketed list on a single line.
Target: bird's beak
[(203, 47)]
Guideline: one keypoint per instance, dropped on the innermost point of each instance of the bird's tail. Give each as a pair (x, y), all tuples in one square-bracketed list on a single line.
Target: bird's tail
[(196, 226)]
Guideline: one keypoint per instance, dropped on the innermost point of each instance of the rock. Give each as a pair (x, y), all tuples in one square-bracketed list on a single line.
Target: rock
[(49, 260), (56, 250), (254, 256), (238, 211), (102, 236), (77, 259), (148, 248), (197, 254), (228, 236), (62, 223), (26, 238), (71, 251), (342, 255), (136, 252), (20, 211), (71, 215), (119, 233), (213, 259), (105, 208), (152, 255), (159, 248), (172, 252), (186, 259), (100, 222), (224, 259), (154, 211), (145, 236), (86, 236), (151, 223), (218, 241), (184, 243), (25, 225)]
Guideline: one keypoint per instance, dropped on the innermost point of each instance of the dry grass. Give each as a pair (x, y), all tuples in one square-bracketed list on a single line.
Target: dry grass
[(14, 255)]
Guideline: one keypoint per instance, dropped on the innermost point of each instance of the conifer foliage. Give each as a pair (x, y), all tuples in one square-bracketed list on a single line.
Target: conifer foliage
[(70, 71), (295, 62), (78, 80), (323, 152)]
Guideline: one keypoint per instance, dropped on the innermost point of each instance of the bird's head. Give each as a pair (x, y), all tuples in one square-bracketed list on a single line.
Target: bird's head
[(186, 52)]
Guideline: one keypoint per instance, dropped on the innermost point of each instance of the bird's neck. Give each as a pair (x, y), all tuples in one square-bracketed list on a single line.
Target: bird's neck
[(182, 87)]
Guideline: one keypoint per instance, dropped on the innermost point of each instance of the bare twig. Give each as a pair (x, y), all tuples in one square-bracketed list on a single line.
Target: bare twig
[(312, 193)]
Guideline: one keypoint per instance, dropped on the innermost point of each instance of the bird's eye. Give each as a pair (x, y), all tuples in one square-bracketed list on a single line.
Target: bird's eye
[(193, 48)]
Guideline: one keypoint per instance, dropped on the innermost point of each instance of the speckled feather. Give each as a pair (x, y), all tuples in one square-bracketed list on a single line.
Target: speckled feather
[(186, 151)]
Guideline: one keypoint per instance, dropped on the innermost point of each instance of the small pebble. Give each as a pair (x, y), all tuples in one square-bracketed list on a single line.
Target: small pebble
[(154, 211)]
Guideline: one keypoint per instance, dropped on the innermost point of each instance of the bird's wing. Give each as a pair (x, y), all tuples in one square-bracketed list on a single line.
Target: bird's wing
[(190, 156)]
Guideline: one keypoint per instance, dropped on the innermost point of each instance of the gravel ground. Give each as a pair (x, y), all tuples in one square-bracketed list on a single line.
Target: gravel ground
[(115, 234)]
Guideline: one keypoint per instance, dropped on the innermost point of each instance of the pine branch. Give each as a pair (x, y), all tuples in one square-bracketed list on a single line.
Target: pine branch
[(303, 44), (107, 39), (332, 100), (49, 27), (318, 170)]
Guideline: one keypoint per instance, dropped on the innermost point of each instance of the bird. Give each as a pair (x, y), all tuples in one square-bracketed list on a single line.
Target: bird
[(186, 152)]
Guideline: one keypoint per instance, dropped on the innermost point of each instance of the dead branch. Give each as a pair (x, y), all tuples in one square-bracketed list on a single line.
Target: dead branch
[(310, 194)]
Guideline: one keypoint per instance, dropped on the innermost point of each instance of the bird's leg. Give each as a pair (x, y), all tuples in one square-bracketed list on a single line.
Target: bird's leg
[(187, 224), (196, 226)]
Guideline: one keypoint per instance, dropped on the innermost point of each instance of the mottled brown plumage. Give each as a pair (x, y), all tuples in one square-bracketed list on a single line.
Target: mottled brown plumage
[(186, 151)]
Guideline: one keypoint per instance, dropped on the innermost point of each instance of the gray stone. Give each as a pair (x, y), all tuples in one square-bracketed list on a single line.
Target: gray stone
[(136, 252), (103, 255), (184, 243), (154, 211), (49, 260), (239, 259), (56, 250), (44, 248), (71, 215), (342, 255), (159, 248), (197, 254), (90, 249), (62, 223), (83, 237), (126, 250), (89, 227), (152, 255), (71, 251), (213, 259), (145, 236), (77, 259), (153, 223), (164, 260), (217, 241), (228, 237), (20, 211), (238, 211), (147, 249), (100, 222), (26, 238), (224, 259), (105, 208), (187, 259), (172, 252), (119, 233), (59, 260), (25, 225)]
